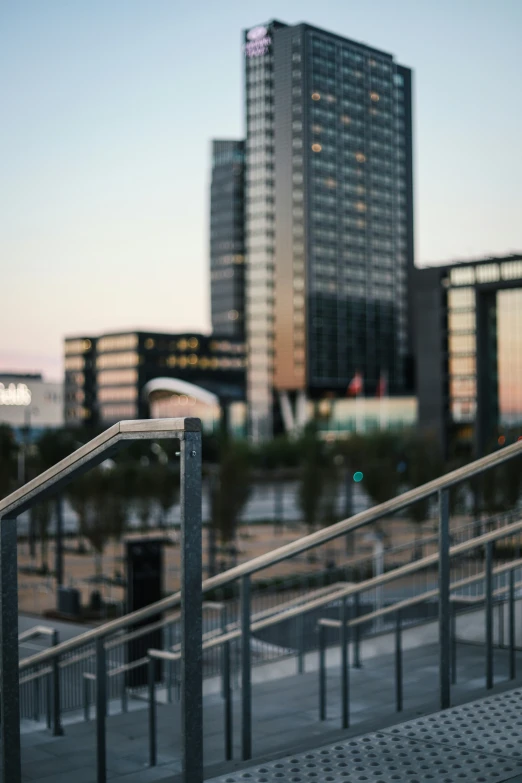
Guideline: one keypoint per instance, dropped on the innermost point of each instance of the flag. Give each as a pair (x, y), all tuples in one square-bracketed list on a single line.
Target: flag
[(355, 386), (382, 385)]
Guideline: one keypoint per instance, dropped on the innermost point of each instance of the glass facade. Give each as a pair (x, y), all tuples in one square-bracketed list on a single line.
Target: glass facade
[(227, 240), (462, 354)]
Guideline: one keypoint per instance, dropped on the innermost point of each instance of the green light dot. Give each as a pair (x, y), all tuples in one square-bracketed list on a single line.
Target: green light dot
[(358, 476)]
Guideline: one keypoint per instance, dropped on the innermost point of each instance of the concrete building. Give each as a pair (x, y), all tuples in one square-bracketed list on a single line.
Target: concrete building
[(30, 404), (468, 334), (136, 374)]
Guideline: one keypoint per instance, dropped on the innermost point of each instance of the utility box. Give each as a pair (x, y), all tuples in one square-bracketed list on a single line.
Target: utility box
[(69, 601), (144, 568)]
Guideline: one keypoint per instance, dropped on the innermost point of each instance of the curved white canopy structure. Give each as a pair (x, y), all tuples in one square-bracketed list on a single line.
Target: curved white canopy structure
[(176, 386)]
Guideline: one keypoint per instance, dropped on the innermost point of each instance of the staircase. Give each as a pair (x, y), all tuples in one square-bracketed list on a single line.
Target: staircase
[(275, 665)]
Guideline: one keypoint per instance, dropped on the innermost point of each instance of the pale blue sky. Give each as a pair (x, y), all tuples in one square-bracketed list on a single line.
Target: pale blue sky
[(108, 108)]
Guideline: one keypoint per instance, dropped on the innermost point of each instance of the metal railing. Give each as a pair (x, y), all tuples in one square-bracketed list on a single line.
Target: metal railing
[(188, 432), (243, 576)]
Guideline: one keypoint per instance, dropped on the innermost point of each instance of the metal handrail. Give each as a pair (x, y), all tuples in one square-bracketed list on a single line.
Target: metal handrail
[(293, 548), (188, 431), (90, 454)]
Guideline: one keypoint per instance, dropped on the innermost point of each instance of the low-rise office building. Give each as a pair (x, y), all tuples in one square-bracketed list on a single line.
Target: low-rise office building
[(137, 374), (30, 404), (468, 332)]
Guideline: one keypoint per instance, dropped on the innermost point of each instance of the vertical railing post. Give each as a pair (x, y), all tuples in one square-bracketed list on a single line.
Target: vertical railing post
[(345, 685), (170, 665), (191, 612), (86, 699), (357, 632), (57, 715), (300, 622), (489, 614), (228, 701), (58, 542), (36, 698), (453, 643), (444, 601), (101, 711), (48, 699), (398, 660), (322, 672), (512, 638), (246, 671), (9, 677), (152, 712)]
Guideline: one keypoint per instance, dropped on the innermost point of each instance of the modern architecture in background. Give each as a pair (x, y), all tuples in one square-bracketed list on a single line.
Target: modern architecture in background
[(328, 222), (29, 404), (139, 374), (227, 238), (468, 328)]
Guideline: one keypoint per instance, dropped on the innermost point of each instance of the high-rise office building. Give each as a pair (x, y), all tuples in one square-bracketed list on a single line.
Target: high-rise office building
[(468, 335), (328, 221), (227, 238)]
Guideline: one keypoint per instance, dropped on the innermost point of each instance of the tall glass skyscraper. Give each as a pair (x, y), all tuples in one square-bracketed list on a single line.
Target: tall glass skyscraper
[(328, 220), (227, 238)]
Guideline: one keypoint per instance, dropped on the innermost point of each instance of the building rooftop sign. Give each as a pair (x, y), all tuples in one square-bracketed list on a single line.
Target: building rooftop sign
[(15, 394), (258, 42)]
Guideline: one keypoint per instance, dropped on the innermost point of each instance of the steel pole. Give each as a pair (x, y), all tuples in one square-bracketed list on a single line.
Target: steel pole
[(512, 638), (9, 678), (191, 613), (151, 671), (57, 715), (398, 661), (246, 671), (489, 615), (322, 673), (345, 685), (101, 711), (444, 601)]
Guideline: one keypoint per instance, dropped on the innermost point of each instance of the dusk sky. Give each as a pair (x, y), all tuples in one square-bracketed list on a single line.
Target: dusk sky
[(108, 108)]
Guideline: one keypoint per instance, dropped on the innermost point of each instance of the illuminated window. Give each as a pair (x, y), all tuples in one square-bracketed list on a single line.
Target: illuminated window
[(193, 359), (330, 98), (77, 346), (204, 362), (182, 344), (316, 128), (182, 361), (74, 363), (360, 206), (233, 315), (193, 342), (124, 359), (374, 96), (172, 361), (487, 273), (330, 182), (113, 377), (118, 342), (360, 157), (214, 363), (316, 147), (149, 343), (316, 96), (345, 119), (462, 276)]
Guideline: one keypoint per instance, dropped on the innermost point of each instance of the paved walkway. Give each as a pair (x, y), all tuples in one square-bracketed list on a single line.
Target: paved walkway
[(479, 742), (285, 716)]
